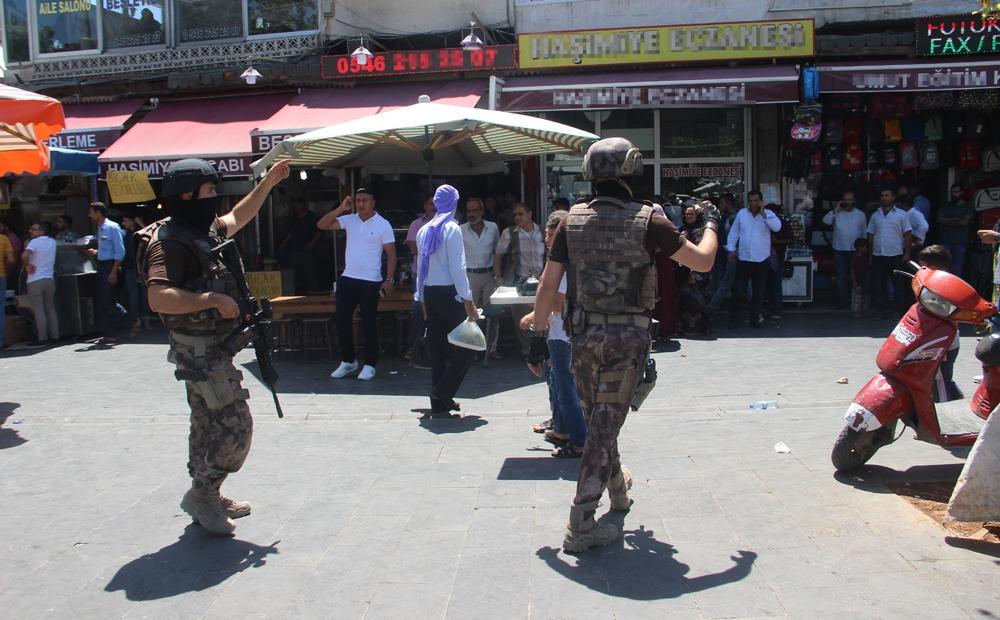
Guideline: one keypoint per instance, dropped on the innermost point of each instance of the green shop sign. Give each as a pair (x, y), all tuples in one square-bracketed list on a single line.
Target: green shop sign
[(959, 35)]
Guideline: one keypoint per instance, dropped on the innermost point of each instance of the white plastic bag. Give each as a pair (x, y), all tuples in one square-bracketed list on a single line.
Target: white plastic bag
[(468, 336)]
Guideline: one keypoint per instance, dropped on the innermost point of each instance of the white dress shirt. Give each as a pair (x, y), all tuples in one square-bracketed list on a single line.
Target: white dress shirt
[(750, 235), (848, 227), (531, 247), (887, 231), (446, 266), (480, 249), (918, 225)]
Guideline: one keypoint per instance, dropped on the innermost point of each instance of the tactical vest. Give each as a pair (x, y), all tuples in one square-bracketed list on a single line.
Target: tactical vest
[(214, 278), (611, 273)]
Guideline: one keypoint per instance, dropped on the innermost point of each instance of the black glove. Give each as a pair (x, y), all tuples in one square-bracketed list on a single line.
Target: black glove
[(709, 216), (538, 351)]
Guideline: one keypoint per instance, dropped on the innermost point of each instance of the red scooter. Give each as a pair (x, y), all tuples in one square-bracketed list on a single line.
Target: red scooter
[(909, 361)]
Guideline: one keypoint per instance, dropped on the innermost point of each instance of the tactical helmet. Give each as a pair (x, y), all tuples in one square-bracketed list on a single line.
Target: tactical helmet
[(611, 158), (187, 175)]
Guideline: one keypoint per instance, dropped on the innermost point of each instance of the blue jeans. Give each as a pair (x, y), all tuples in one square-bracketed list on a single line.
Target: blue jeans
[(567, 413), (137, 306), (724, 288), (3, 310), (110, 315), (842, 261), (957, 257)]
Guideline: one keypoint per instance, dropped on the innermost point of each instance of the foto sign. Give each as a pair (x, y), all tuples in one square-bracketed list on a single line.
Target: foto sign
[(957, 36), (663, 44)]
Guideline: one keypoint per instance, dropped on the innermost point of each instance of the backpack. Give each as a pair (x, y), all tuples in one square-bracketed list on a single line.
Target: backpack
[(834, 130), (934, 127), (817, 160), (833, 156), (892, 130), (975, 125), (940, 100), (987, 198), (854, 157), (930, 158), (889, 156), (874, 156), (891, 105), (808, 122), (954, 126), (991, 159), (968, 155), (909, 157), (913, 128)]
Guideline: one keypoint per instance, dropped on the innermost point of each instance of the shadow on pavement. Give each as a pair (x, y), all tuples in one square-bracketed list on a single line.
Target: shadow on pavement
[(543, 468), (641, 568), (197, 561), (9, 438), (984, 547), (876, 478), (449, 426)]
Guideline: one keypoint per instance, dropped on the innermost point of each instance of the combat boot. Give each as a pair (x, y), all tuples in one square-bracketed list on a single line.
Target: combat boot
[(234, 508), (206, 510), (582, 532), (618, 487)]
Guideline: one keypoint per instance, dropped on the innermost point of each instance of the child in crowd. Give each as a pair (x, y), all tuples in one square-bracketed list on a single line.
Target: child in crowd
[(945, 388), (860, 297)]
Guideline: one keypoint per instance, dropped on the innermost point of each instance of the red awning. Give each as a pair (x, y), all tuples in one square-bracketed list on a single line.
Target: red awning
[(214, 129), (652, 89), (317, 108), (908, 76), (94, 126)]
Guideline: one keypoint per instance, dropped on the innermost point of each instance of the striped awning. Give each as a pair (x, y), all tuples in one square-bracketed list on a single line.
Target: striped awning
[(26, 119), (456, 139)]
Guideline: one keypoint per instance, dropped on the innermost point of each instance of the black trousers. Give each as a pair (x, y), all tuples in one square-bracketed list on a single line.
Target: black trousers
[(351, 294), (882, 268), (110, 316), (448, 362), (756, 274)]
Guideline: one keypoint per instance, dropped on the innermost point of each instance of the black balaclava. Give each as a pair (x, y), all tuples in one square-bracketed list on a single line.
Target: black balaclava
[(196, 214)]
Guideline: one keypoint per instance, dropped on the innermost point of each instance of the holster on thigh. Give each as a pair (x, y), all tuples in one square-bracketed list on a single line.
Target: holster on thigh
[(216, 382), (616, 385)]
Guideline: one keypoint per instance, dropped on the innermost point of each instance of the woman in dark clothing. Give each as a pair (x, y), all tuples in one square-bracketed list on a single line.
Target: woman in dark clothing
[(691, 300)]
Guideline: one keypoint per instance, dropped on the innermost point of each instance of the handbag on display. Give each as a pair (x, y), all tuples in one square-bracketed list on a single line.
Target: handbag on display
[(988, 198), (808, 123), (991, 159)]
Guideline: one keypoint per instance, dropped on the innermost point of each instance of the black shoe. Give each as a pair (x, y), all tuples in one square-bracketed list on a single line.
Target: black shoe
[(439, 405)]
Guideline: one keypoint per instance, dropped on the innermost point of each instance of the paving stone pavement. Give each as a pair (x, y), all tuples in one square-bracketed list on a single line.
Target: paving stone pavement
[(364, 510)]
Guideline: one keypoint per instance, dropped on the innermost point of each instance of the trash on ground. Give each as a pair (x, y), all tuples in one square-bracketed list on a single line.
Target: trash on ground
[(18, 421), (842, 380), (781, 448), (763, 404)]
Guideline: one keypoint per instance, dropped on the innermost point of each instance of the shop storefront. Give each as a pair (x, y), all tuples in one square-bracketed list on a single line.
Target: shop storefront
[(694, 126)]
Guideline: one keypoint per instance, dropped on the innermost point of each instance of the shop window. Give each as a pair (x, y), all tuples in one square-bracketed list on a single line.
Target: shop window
[(66, 26), (16, 30), (687, 133), (566, 181), (278, 16), (207, 20), (636, 126), (131, 23)]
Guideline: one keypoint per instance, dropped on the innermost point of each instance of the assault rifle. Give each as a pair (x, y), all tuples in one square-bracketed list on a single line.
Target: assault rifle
[(255, 317)]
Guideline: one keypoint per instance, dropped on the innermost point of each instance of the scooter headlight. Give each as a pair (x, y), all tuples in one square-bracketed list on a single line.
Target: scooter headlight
[(936, 305)]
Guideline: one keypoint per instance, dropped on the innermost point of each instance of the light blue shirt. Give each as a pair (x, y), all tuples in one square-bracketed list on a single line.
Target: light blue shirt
[(922, 205), (750, 235), (446, 266), (110, 241)]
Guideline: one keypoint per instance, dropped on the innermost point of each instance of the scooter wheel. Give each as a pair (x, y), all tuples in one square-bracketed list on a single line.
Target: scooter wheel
[(854, 448)]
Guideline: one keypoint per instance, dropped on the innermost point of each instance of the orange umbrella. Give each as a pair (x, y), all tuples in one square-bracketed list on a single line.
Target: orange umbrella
[(27, 119)]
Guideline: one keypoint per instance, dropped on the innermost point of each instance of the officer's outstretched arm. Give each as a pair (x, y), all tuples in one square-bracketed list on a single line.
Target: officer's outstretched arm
[(547, 294), (699, 257), (246, 209)]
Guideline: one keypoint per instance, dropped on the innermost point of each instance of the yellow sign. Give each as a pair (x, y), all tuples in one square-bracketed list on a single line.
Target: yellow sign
[(130, 186), (264, 283), (698, 42)]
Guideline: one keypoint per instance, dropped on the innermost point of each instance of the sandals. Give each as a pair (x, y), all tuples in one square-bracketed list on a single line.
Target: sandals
[(567, 451), (554, 438), (544, 426)]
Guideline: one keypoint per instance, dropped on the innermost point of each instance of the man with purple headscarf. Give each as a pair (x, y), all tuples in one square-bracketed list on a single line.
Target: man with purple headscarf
[(442, 288)]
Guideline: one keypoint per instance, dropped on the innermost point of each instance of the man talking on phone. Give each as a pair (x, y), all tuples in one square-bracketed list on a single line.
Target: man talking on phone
[(361, 283)]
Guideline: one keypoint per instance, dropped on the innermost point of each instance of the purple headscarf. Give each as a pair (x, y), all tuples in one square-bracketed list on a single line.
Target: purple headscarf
[(446, 200)]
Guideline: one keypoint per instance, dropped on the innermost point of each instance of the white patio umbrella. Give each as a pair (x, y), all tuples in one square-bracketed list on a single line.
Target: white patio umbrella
[(450, 139)]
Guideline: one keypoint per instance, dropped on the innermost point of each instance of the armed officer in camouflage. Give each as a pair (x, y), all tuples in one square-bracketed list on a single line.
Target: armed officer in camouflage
[(606, 246), (195, 296)]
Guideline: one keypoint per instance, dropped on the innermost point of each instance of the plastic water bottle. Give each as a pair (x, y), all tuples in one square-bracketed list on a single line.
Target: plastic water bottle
[(763, 404)]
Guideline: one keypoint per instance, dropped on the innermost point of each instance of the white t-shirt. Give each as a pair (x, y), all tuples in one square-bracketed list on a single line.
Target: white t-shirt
[(556, 329), (43, 257), (365, 244)]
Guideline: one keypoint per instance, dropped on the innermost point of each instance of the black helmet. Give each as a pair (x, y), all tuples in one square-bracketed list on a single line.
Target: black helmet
[(187, 175)]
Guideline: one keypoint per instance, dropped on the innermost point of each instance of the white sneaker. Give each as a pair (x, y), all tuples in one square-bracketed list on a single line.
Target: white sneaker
[(344, 369), (367, 373), (977, 379)]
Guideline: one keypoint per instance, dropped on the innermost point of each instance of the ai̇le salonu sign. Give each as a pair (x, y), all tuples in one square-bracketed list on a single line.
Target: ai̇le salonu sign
[(957, 36)]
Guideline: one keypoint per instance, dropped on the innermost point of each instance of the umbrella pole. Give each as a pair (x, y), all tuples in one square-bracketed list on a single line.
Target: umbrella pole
[(429, 158)]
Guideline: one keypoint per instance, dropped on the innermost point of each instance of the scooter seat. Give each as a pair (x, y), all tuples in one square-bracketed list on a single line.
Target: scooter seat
[(955, 418)]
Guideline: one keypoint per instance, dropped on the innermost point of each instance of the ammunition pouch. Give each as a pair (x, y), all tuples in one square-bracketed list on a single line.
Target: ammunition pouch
[(581, 320), (646, 383)]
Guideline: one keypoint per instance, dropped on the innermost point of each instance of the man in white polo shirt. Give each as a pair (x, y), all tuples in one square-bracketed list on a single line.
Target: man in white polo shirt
[(39, 259), (360, 284), (889, 242)]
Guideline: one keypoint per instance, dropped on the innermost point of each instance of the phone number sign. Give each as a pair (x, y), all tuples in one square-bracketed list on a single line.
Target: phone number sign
[(448, 60)]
